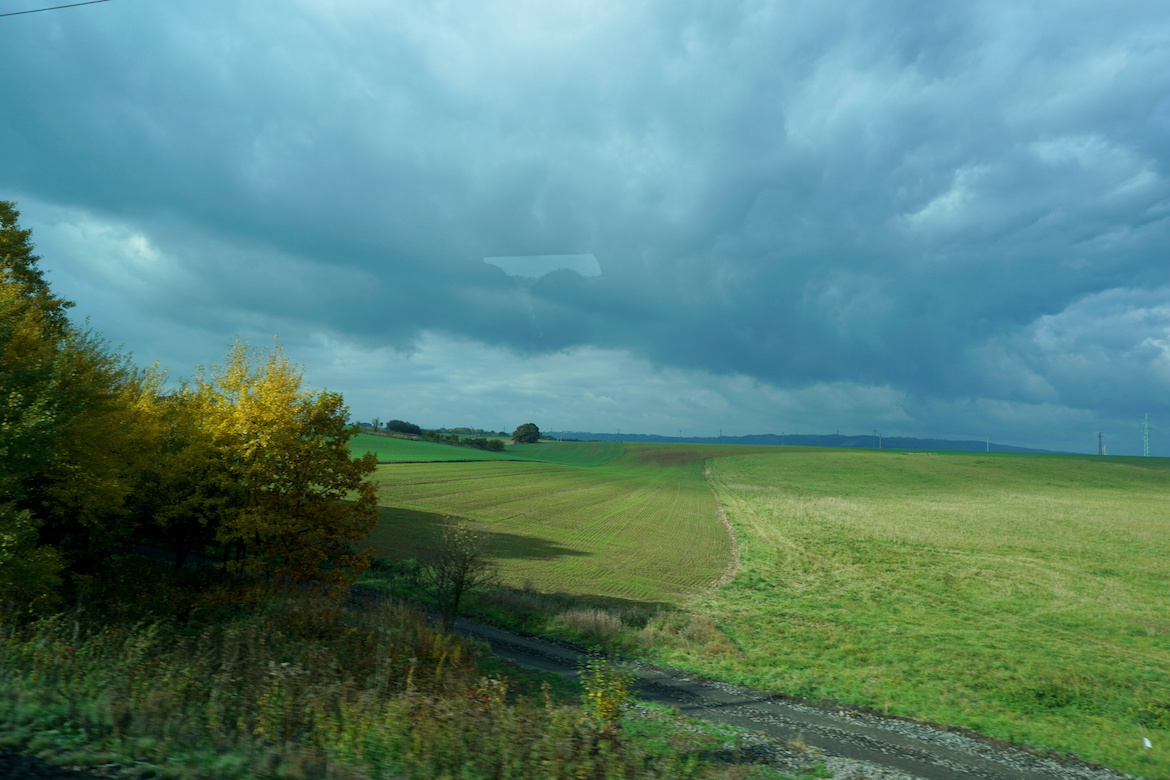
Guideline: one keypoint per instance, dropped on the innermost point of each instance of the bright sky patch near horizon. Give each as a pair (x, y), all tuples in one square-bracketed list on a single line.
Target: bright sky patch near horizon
[(810, 217)]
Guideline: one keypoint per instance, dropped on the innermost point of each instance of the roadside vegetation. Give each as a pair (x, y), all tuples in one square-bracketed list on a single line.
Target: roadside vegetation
[(266, 683)]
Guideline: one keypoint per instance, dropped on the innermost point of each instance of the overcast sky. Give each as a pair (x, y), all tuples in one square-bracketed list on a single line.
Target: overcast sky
[(931, 218)]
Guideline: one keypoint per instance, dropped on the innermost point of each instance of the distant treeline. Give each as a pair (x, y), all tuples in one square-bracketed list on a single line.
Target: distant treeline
[(476, 438), (866, 441)]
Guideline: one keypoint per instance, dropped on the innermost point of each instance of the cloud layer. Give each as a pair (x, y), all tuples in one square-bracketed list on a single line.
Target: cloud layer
[(806, 216)]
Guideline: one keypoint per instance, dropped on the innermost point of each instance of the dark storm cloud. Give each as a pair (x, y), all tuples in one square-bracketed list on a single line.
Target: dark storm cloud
[(957, 201)]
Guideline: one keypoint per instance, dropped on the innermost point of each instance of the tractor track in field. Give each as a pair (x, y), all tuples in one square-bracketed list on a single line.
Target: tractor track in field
[(733, 551), (852, 744)]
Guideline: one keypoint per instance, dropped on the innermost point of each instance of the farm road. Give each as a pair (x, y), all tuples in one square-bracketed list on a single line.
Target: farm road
[(855, 744)]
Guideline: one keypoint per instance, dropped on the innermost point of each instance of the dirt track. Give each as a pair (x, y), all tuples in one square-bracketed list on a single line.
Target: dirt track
[(855, 744)]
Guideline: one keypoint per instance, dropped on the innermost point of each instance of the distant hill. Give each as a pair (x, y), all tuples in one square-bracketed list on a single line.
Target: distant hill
[(807, 440)]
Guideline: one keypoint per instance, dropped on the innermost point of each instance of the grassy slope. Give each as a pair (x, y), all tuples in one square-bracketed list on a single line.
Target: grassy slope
[(393, 450), (1024, 597), (643, 527)]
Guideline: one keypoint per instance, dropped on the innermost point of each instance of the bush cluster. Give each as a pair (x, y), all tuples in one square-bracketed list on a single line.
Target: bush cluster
[(477, 442), (97, 454)]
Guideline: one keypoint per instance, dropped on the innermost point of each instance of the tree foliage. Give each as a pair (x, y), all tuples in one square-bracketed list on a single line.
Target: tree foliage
[(527, 433), (283, 489), (401, 426), (72, 436), (95, 455), (29, 432), (109, 433), (18, 264)]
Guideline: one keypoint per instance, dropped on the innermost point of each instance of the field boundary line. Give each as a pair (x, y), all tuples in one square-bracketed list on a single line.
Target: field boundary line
[(733, 565)]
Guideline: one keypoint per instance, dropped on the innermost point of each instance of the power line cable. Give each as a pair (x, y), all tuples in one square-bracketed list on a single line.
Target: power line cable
[(54, 8)]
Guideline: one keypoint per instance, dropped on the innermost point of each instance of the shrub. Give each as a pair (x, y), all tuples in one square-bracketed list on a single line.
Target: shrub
[(400, 426), (608, 693)]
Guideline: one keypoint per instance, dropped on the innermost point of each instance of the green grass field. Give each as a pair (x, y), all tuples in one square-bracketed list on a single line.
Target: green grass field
[(1022, 596), (569, 453), (643, 527), (389, 449)]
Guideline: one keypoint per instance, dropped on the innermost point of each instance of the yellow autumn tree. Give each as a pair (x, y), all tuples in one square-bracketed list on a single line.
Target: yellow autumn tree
[(283, 493)]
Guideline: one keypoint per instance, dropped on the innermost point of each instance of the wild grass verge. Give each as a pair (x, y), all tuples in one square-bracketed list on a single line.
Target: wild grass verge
[(604, 624), (296, 686)]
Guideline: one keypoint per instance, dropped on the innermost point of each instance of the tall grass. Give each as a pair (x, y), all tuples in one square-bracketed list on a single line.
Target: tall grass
[(298, 687)]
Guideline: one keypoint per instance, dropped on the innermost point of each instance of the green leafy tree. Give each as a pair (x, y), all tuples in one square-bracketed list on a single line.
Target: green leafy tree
[(30, 373), (527, 433), (401, 426), (19, 264), (72, 439), (109, 431), (186, 491)]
